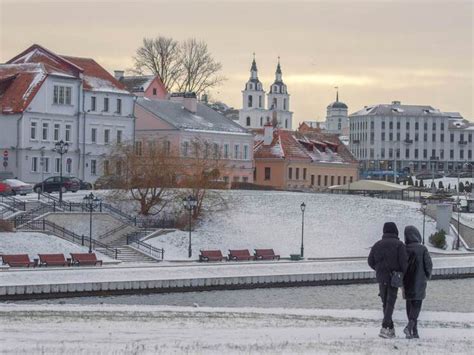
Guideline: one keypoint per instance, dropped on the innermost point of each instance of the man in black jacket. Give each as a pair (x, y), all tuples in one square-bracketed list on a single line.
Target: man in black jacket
[(388, 255)]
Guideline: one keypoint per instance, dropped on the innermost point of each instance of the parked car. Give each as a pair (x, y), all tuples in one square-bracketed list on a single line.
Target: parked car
[(5, 189), (106, 182), (19, 187), (53, 184), (83, 185)]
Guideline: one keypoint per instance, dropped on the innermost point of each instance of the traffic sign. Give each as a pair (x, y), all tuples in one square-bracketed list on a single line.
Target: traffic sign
[(5, 164), (5, 153)]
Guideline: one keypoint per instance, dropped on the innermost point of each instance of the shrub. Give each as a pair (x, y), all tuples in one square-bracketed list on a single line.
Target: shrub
[(438, 239), (440, 185), (410, 181), (5, 226)]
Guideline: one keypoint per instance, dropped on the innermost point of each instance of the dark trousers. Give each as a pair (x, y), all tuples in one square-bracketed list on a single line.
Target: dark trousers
[(413, 309), (388, 294)]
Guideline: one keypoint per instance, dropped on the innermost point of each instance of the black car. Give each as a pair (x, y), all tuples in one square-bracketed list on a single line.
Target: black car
[(53, 184), (83, 185)]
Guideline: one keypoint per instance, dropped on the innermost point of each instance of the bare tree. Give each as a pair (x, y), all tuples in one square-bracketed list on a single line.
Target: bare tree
[(186, 66), (162, 56), (146, 174)]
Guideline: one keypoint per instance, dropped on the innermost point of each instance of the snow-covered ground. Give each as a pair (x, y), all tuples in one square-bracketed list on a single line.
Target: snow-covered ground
[(335, 225), (39, 243), (125, 329)]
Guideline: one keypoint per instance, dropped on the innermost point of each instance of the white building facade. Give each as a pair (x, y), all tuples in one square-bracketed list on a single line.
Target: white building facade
[(254, 113), (418, 138), (66, 98)]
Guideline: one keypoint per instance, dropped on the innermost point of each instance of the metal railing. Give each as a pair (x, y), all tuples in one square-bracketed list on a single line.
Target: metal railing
[(14, 202), (113, 231), (133, 240), (45, 225)]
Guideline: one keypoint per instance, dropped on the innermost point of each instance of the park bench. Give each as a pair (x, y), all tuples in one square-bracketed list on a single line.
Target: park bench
[(17, 260), (52, 260), (266, 254), (211, 255), (239, 255), (85, 259)]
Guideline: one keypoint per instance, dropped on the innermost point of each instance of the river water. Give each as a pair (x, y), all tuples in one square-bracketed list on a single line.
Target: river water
[(442, 295)]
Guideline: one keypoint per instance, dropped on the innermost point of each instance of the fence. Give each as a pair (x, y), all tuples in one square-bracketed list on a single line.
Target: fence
[(134, 241)]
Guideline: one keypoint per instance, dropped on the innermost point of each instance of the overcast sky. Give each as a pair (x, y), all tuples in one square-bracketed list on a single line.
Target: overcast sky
[(418, 52)]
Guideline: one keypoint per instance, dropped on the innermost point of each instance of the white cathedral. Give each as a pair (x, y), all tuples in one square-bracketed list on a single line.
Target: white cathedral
[(253, 113)]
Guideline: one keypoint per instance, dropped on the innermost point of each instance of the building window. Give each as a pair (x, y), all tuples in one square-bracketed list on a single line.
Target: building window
[(433, 137), (297, 173), (247, 121), (93, 167), (425, 126), (408, 126), (325, 180), (407, 153), (441, 154), (425, 137), (441, 137), (119, 106), (344, 180), (245, 179), (461, 154), (249, 101), (226, 150), (45, 131), (268, 173), (383, 136), (154, 91), (390, 125), (106, 104), (416, 153), (62, 95), (94, 135), (398, 136), (68, 165), (451, 154), (57, 165), (33, 130), (68, 133), (469, 154), (260, 101), (332, 180), (383, 124), (416, 137), (56, 132), (425, 153), (442, 126), (185, 149), (304, 173), (261, 121), (119, 136), (290, 173), (451, 137), (93, 103), (246, 152), (417, 126), (106, 136), (34, 164), (434, 126), (45, 164), (284, 104), (236, 151), (215, 151)]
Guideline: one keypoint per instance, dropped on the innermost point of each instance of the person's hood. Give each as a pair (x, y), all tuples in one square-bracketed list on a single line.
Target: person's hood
[(412, 235), (390, 228), (389, 235)]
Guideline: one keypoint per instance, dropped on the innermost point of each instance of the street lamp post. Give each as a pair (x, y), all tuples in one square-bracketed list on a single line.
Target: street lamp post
[(61, 148), (458, 204), (303, 207), (189, 204), (423, 208), (91, 202)]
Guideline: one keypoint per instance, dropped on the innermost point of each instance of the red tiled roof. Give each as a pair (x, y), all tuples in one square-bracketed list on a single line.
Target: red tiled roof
[(310, 148), (19, 85), (95, 76)]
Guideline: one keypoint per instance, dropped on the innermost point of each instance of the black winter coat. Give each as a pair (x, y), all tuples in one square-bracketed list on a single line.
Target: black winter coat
[(419, 266), (387, 255)]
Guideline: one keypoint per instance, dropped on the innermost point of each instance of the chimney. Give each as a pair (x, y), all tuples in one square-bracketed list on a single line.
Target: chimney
[(119, 74), (267, 133), (187, 99)]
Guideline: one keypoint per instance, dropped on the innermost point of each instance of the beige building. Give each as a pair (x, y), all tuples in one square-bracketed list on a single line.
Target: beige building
[(291, 160)]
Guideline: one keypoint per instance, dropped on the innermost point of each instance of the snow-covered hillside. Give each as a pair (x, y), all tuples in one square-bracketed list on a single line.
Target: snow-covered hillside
[(335, 225)]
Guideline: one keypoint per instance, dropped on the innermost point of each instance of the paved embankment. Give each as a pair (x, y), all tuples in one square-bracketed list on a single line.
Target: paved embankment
[(86, 281)]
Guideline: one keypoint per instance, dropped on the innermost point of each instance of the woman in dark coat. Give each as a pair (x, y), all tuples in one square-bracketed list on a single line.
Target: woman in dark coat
[(415, 279)]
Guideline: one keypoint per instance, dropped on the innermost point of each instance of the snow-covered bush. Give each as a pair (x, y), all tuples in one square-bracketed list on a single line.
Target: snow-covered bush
[(438, 239)]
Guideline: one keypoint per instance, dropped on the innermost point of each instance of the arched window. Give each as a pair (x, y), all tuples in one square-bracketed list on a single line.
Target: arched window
[(248, 121), (274, 102), (261, 121), (286, 123), (275, 88), (251, 86), (284, 104), (249, 103)]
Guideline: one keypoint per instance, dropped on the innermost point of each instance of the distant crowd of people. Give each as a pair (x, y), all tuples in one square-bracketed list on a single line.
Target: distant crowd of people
[(401, 265)]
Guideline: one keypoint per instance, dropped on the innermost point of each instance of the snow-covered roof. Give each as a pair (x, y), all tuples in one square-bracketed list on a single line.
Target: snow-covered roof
[(137, 83), (204, 119), (370, 185), (397, 109)]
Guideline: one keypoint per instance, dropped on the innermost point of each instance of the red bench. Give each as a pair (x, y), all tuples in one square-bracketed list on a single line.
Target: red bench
[(211, 255), (17, 260), (266, 254), (85, 259), (239, 255), (52, 260)]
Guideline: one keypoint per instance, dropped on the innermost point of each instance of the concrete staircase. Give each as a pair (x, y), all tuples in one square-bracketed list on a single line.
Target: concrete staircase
[(128, 254)]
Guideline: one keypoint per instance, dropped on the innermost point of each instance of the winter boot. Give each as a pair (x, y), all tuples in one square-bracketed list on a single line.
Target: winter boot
[(415, 331), (387, 333), (409, 329)]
